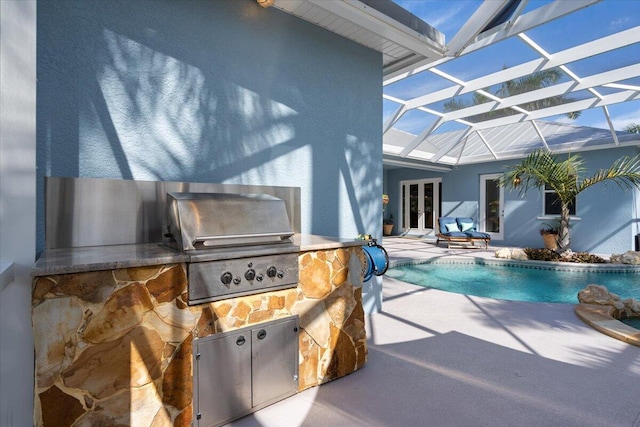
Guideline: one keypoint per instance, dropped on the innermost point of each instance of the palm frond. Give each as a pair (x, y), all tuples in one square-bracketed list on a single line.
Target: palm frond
[(625, 172)]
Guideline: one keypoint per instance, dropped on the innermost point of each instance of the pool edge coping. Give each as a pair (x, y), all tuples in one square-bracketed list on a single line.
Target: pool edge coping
[(601, 319), (534, 264)]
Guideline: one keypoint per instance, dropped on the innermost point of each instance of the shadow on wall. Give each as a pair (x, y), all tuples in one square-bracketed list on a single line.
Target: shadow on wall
[(223, 92)]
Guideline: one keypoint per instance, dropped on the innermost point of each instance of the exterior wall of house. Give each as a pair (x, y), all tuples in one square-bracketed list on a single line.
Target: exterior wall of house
[(17, 207), (212, 91), (606, 214)]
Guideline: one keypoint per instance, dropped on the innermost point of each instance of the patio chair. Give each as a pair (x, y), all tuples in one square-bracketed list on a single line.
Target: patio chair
[(460, 230)]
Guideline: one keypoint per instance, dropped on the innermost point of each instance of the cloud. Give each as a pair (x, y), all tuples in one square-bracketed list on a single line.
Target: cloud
[(621, 121), (619, 23)]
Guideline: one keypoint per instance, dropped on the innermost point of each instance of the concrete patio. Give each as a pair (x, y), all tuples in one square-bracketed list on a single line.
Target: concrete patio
[(443, 359)]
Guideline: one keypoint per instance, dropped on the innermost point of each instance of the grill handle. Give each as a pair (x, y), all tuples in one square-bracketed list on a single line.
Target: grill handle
[(200, 241)]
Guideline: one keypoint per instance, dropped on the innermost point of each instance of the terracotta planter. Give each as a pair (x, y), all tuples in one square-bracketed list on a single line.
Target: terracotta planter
[(550, 241), (387, 229)]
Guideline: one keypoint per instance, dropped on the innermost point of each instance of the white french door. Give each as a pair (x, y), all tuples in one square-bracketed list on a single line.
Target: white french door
[(420, 205), (491, 218)]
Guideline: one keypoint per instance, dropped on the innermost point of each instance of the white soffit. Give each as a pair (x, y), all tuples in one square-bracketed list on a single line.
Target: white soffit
[(377, 24)]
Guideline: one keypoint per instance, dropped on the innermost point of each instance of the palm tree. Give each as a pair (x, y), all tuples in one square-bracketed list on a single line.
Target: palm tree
[(534, 81), (632, 128), (565, 177)]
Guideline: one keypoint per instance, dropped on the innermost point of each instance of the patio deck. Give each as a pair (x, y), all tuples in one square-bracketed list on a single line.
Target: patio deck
[(443, 359)]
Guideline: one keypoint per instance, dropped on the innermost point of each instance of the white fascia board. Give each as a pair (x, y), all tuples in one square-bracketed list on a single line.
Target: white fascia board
[(416, 164), (382, 25), (480, 18)]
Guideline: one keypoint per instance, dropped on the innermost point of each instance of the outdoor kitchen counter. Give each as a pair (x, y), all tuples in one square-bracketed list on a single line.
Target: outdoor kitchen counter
[(114, 334), (312, 242), (97, 258)]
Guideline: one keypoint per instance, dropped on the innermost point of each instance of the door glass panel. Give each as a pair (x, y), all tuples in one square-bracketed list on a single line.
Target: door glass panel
[(404, 207), (492, 208), (413, 206), (428, 205)]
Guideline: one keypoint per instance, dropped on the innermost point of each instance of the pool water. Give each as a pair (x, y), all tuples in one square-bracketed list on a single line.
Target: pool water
[(633, 322), (516, 283)]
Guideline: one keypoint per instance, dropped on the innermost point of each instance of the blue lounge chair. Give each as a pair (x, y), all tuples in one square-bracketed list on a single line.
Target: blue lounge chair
[(460, 230)]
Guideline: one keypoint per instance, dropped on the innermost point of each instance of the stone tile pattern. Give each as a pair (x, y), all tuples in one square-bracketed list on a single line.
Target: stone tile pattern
[(114, 348)]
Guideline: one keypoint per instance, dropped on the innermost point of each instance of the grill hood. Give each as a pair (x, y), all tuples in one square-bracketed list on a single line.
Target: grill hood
[(213, 220)]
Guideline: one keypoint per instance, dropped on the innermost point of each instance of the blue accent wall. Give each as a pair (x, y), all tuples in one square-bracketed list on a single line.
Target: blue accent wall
[(211, 91), (608, 220)]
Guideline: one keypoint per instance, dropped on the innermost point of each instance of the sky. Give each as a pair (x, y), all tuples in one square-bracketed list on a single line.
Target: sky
[(599, 20)]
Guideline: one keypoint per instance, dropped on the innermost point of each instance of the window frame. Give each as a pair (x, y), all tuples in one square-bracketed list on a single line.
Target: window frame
[(546, 214)]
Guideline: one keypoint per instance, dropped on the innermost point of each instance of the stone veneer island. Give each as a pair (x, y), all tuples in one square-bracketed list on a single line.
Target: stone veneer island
[(113, 347)]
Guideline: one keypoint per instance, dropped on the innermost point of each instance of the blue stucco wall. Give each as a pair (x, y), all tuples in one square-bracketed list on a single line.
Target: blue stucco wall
[(211, 91), (607, 218)]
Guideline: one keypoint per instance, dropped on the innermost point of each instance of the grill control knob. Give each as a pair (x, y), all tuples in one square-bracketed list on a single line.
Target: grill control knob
[(226, 278), (250, 274), (271, 271), (280, 274), (259, 277), (237, 280)]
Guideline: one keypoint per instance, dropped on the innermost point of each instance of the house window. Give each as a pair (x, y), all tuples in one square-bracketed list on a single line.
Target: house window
[(551, 204)]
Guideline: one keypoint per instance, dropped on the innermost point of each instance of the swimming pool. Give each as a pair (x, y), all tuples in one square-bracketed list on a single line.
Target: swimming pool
[(517, 283)]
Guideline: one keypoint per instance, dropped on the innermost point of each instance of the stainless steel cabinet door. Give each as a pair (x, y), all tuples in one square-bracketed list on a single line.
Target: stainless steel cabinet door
[(275, 361), (224, 377)]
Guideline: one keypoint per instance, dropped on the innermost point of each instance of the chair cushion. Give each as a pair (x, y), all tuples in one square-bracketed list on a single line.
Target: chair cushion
[(452, 227), (455, 234), (477, 235), (448, 224), (466, 224)]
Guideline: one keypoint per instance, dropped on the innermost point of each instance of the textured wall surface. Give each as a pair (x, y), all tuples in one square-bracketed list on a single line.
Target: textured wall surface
[(115, 347), (212, 91)]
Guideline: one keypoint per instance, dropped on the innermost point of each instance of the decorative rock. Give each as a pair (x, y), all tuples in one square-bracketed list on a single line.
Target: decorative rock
[(313, 279), (515, 253), (599, 295), (503, 253), (58, 408), (54, 325), (168, 285), (629, 257), (129, 362), (519, 254), (122, 312)]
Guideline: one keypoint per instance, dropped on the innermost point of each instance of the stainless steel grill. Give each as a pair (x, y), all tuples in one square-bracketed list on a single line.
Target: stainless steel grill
[(237, 244)]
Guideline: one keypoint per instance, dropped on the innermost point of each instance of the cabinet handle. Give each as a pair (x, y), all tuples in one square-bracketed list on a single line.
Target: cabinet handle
[(262, 334), (240, 340)]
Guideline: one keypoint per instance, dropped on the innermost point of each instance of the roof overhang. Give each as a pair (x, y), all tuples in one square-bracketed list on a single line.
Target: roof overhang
[(403, 39)]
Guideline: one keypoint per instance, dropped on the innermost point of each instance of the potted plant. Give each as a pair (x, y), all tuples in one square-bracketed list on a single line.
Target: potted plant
[(387, 225), (550, 236)]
